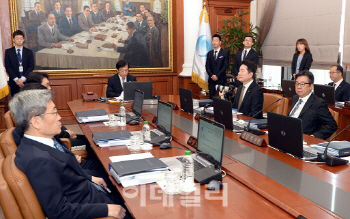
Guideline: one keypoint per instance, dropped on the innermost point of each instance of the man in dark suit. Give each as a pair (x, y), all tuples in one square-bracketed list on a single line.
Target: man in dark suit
[(135, 49), (58, 11), (69, 25), (342, 88), (116, 82), (249, 98), (36, 16), (19, 62), (107, 12), (62, 187), (246, 54), (96, 15), (216, 65), (140, 24), (312, 110), (153, 32)]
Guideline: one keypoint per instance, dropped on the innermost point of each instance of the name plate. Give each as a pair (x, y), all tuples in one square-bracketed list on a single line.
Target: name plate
[(174, 105), (347, 105), (254, 139), (192, 141), (155, 120)]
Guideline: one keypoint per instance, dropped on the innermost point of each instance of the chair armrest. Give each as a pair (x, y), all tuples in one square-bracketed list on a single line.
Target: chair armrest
[(81, 153), (67, 142)]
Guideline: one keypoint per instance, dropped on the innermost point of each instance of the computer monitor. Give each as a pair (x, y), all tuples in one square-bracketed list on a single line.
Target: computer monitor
[(210, 139), (138, 102), (325, 92), (186, 100), (131, 86), (288, 87), (165, 116)]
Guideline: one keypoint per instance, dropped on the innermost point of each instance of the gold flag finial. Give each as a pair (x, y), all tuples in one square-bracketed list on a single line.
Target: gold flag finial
[(204, 4)]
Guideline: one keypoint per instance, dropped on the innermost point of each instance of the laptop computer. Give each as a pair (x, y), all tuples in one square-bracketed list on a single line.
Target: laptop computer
[(137, 105), (164, 124), (223, 114), (210, 147), (131, 86), (286, 135), (288, 88), (186, 100), (325, 92)]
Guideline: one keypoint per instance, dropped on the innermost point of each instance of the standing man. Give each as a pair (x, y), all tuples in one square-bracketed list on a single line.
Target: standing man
[(85, 20), (249, 98), (36, 16), (107, 12), (216, 65), (142, 11), (116, 82), (246, 54), (58, 11), (96, 15), (342, 88), (312, 110), (48, 34), (19, 62), (153, 33), (128, 8), (140, 24), (69, 25)]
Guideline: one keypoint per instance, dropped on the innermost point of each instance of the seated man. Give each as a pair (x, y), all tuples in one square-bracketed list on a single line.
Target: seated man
[(48, 34), (36, 16), (312, 110), (116, 82), (85, 20), (96, 15), (107, 12), (342, 88), (58, 12), (154, 32), (69, 25), (141, 25), (249, 98), (63, 189)]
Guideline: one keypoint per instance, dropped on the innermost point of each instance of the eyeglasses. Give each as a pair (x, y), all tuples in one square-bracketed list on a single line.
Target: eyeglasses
[(302, 84), (43, 114), (333, 72)]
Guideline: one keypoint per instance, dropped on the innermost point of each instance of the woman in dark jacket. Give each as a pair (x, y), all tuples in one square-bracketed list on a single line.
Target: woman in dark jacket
[(302, 58)]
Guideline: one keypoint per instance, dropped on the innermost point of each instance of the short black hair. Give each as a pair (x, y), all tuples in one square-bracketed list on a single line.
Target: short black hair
[(147, 9), (131, 25), (37, 3), (33, 86), (121, 64), (249, 35), (36, 77), (307, 74), (17, 32), (339, 68), (85, 7), (251, 66), (216, 35), (68, 6), (57, 2)]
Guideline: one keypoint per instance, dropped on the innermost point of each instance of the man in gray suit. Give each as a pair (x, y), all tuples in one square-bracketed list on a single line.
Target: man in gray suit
[(85, 20), (153, 33), (49, 35)]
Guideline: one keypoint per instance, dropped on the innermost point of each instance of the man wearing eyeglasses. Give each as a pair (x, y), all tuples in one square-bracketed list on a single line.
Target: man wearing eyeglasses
[(312, 110), (342, 88)]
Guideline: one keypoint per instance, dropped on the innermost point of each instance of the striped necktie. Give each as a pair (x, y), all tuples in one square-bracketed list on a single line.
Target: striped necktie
[(296, 107)]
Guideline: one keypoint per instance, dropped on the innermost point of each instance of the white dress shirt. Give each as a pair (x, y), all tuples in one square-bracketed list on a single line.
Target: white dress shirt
[(298, 111), (244, 51), (338, 83), (21, 52), (46, 141), (122, 84), (246, 86), (217, 54)]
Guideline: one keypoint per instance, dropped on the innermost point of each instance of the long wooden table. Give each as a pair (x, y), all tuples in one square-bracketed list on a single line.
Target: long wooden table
[(252, 185)]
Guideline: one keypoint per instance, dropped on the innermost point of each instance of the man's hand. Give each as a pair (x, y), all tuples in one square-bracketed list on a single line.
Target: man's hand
[(121, 40), (114, 46), (294, 75), (71, 133), (222, 94), (116, 211), (99, 181), (20, 83), (57, 45), (94, 29), (130, 9), (214, 78), (70, 39), (78, 157)]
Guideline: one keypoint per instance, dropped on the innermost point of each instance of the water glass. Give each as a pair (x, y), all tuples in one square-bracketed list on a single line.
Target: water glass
[(135, 146), (146, 147), (234, 114), (113, 122), (173, 182), (195, 103)]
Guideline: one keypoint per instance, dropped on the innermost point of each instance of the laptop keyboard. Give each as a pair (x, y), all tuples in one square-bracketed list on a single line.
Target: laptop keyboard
[(309, 154), (196, 164), (131, 114), (154, 135)]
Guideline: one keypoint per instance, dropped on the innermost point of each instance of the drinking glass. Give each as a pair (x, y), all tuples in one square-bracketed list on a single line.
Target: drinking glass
[(173, 182)]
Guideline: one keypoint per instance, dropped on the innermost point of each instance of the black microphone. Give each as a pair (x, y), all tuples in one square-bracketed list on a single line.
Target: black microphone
[(331, 161), (254, 131)]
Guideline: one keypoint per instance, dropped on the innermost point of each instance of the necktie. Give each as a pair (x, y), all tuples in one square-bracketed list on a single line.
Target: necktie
[(123, 80), (241, 98), (53, 33), (245, 54), (70, 22), (296, 107), (19, 56), (215, 55), (57, 145)]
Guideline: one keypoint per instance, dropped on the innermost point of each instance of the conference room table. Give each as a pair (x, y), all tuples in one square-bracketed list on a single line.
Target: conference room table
[(261, 182)]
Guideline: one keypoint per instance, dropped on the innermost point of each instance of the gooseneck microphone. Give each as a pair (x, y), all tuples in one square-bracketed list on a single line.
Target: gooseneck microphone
[(330, 160), (254, 131)]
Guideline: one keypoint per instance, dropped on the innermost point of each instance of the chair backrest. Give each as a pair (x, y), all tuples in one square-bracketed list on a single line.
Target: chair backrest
[(336, 118), (7, 144), (9, 120), (104, 90), (277, 107), (22, 190), (7, 200)]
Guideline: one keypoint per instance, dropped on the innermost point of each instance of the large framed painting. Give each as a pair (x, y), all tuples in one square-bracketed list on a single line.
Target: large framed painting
[(78, 37)]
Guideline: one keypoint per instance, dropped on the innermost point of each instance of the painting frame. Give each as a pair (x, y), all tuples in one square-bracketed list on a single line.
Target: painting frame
[(92, 72)]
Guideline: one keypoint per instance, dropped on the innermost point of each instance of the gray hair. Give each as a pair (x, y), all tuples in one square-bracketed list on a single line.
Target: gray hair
[(29, 103)]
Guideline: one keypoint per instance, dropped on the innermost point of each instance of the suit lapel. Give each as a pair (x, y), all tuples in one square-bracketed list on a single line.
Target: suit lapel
[(247, 93), (307, 104)]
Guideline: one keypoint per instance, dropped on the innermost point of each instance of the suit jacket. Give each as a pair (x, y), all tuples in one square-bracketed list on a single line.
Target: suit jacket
[(317, 120), (108, 14), (136, 53), (252, 102), (45, 37), (342, 93), (154, 33), (12, 65), (36, 18), (66, 29), (85, 24), (127, 12), (305, 62), (251, 56), (97, 18), (114, 88), (68, 191), (60, 14), (217, 67), (144, 27)]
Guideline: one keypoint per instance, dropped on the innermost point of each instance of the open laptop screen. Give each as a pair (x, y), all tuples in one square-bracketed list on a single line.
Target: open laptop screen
[(164, 116), (210, 139), (131, 86), (138, 103)]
